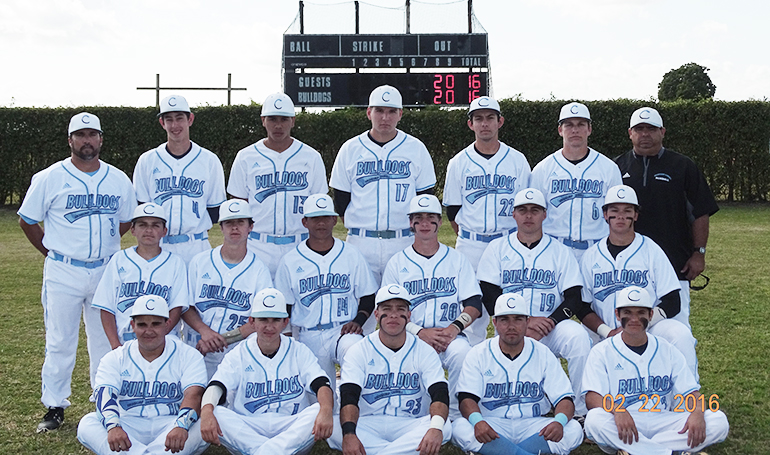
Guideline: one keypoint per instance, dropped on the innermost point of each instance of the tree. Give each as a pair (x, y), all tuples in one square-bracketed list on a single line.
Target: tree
[(688, 82)]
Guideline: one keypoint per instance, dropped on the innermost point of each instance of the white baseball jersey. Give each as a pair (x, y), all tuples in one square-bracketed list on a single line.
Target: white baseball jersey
[(643, 263), (524, 387), (392, 383), (485, 188), (575, 194), (437, 285), (277, 184), (81, 212), (151, 389), (382, 180), (185, 187), (129, 276), (324, 288), (223, 295), (541, 274)]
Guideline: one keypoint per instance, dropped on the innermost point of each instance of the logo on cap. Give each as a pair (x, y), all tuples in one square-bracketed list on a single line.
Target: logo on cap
[(529, 194), (621, 193), (645, 114), (151, 208), (264, 301), (634, 296), (383, 96), (484, 102), (391, 291), (425, 199), (319, 201), (172, 101), (511, 300), (85, 119), (234, 208), (275, 104), (147, 304), (574, 109)]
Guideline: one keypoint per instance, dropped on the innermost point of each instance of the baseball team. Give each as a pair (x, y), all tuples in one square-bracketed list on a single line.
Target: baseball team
[(580, 258)]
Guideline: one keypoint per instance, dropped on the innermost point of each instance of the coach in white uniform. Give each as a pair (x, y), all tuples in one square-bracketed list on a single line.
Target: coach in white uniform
[(183, 177), (481, 182), (85, 205), (276, 175), (575, 180), (148, 391), (637, 387), (507, 386)]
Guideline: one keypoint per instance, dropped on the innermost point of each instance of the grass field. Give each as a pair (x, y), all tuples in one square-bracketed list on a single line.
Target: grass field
[(729, 319)]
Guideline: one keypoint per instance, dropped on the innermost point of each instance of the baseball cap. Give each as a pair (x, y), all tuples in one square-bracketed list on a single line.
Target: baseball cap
[(278, 104), (633, 296), (150, 305), (392, 291), (318, 205), (386, 96), (425, 203), (574, 110), (621, 194), (234, 209), (511, 303), (484, 102), (269, 303), (173, 103), (529, 196), (646, 115), (82, 121), (150, 209)]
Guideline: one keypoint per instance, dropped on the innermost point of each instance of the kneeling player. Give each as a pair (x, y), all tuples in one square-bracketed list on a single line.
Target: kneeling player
[(269, 378), (148, 391), (648, 383), (515, 380)]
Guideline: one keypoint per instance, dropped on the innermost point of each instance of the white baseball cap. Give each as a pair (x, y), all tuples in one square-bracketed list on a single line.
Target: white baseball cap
[(234, 209), (82, 121), (386, 96), (621, 194), (529, 196), (646, 115), (318, 205), (150, 209), (269, 303), (484, 102), (633, 296), (392, 291), (574, 110), (150, 305), (173, 103), (278, 104), (511, 303), (425, 203)]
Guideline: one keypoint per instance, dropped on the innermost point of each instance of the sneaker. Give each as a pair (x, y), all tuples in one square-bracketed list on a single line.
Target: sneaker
[(52, 420)]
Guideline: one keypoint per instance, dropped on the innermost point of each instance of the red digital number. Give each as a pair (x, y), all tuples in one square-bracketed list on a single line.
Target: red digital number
[(438, 92), (473, 85)]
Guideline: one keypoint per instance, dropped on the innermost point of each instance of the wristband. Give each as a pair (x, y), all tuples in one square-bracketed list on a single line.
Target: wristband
[(463, 321), (657, 315), (361, 318), (186, 418), (459, 325), (603, 330), (475, 418), (437, 422), (413, 328), (232, 336), (348, 428), (561, 418)]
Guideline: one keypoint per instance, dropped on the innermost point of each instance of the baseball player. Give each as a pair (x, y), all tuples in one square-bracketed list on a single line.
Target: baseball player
[(145, 269), (575, 180), (222, 283), (375, 176), (445, 296), (148, 391), (393, 397), (328, 287), (86, 205), (637, 385), (276, 175), (507, 385), (626, 258), (481, 182), (270, 378), (546, 274), (184, 178)]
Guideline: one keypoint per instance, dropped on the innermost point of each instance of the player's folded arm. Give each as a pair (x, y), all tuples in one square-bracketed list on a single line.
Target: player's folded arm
[(439, 392), (571, 305), (215, 394), (320, 381), (489, 294), (670, 304), (349, 394), (365, 309)]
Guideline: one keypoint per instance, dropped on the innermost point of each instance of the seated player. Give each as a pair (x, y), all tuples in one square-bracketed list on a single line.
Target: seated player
[(269, 379), (148, 391), (141, 270), (636, 386), (393, 397), (507, 385), (222, 283), (323, 280)]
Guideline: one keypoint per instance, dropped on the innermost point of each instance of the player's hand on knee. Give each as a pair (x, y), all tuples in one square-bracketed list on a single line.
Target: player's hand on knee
[(323, 426), (352, 327), (175, 440), (436, 338), (484, 433), (118, 439), (552, 432), (210, 431), (695, 428), (626, 427), (431, 442), (351, 445), (540, 326), (213, 341)]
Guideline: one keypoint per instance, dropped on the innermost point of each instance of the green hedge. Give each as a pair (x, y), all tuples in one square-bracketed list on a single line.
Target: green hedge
[(728, 140)]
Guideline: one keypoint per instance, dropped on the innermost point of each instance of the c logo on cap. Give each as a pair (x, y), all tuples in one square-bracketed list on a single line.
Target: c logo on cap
[(621, 193), (264, 301), (391, 291), (234, 208), (386, 99), (508, 303), (425, 199), (645, 114), (85, 119), (634, 296), (574, 109), (276, 104), (170, 103), (147, 304), (484, 101), (529, 194), (151, 208), (319, 201)]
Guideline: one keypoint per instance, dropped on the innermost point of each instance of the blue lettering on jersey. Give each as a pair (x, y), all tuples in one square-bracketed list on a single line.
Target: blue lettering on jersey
[(575, 189), (519, 279), (223, 297), (430, 288), (145, 393), (488, 184), (129, 292), (318, 286), (633, 388), (618, 279), (372, 171), (267, 185), (512, 393), (91, 204), (390, 385), (168, 187), (268, 392)]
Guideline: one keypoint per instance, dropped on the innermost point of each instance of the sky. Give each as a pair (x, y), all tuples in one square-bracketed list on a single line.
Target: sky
[(97, 52)]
